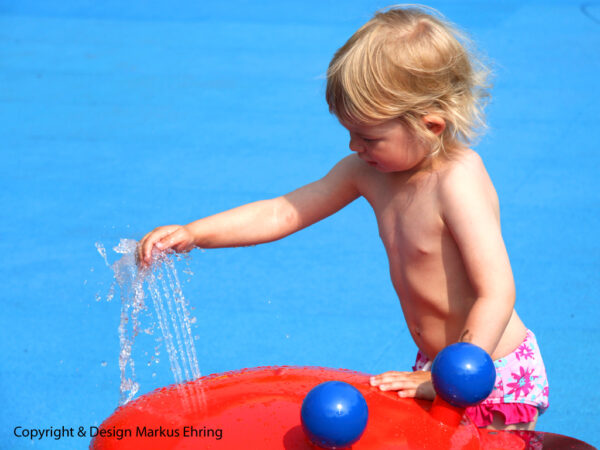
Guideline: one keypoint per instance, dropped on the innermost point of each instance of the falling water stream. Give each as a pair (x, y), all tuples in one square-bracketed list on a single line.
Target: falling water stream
[(160, 284)]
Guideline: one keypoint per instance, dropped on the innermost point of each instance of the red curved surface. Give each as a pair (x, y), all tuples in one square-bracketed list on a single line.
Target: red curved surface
[(260, 409)]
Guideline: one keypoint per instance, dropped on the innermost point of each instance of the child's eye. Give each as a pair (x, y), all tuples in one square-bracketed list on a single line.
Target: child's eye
[(370, 139)]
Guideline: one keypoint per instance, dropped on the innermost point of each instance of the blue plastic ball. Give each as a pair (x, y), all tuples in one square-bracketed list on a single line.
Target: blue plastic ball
[(334, 414), (463, 374)]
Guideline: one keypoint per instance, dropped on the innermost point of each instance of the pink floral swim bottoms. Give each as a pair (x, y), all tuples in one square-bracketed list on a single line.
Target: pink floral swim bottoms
[(521, 389)]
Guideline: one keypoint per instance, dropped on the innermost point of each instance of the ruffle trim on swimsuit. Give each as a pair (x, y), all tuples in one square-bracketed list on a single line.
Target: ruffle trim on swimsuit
[(481, 415)]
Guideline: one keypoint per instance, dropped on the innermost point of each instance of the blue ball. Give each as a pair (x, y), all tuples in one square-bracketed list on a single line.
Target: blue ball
[(334, 414), (463, 374)]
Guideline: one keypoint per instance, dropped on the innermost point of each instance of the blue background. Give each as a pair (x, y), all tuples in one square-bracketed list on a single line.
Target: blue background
[(116, 117)]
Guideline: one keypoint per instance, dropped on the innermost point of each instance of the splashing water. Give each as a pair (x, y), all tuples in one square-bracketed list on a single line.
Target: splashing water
[(170, 311)]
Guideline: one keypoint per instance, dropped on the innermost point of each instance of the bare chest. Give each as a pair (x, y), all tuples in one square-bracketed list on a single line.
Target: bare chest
[(408, 216)]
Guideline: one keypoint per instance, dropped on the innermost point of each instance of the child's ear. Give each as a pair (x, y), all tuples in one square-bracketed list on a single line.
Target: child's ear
[(434, 123)]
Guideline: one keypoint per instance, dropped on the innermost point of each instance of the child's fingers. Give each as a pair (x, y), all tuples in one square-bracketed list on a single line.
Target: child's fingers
[(397, 385), (392, 381), (142, 252), (400, 381), (407, 393), (172, 240), (394, 386), (151, 239), (408, 384), (387, 377)]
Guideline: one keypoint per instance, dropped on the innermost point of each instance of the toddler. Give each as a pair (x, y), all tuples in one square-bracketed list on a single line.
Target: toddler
[(411, 94)]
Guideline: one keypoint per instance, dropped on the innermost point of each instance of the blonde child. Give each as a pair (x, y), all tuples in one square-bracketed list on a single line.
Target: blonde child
[(410, 94)]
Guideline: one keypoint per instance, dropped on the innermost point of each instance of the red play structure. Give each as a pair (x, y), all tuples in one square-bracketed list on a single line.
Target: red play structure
[(260, 409)]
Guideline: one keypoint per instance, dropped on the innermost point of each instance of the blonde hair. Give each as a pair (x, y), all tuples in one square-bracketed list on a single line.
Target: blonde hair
[(406, 63)]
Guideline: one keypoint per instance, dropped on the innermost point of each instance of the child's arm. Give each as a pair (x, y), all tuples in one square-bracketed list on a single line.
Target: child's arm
[(471, 213), (262, 221)]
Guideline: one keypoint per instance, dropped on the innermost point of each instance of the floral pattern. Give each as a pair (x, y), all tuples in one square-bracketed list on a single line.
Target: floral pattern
[(522, 384), (524, 351)]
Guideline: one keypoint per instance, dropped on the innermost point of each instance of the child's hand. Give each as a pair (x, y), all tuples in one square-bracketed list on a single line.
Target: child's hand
[(408, 384), (170, 237)]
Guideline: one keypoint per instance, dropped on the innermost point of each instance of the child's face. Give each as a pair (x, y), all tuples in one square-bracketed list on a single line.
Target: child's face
[(388, 147)]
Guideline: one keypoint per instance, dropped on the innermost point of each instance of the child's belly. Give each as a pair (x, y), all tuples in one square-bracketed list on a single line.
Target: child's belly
[(433, 326), (432, 333)]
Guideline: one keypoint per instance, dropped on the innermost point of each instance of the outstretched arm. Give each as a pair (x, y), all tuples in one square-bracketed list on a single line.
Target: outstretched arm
[(261, 221)]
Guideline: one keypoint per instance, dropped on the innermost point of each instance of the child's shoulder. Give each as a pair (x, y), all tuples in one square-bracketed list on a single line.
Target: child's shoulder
[(461, 164), (464, 171), (464, 159)]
